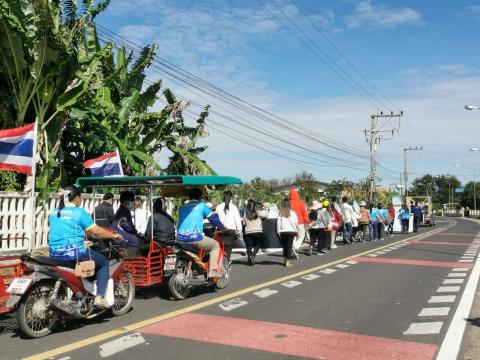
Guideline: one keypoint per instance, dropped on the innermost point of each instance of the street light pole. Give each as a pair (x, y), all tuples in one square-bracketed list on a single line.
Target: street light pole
[(405, 173)]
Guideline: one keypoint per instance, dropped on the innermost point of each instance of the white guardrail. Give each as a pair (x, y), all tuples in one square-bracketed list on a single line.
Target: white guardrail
[(16, 221)]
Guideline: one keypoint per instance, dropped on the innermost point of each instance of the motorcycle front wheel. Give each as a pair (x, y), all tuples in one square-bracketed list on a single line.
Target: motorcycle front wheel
[(178, 282), (34, 317)]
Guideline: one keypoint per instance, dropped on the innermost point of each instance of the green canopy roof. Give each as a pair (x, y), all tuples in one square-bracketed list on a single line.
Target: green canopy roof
[(165, 180)]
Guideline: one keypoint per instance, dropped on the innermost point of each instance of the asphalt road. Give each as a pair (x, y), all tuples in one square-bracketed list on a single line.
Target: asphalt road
[(394, 299)]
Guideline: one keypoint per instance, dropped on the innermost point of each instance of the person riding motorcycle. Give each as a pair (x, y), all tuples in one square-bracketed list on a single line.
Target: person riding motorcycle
[(190, 229), (68, 224)]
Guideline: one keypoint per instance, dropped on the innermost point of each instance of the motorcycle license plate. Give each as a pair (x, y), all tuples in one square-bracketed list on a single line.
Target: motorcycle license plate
[(19, 286), (170, 262)]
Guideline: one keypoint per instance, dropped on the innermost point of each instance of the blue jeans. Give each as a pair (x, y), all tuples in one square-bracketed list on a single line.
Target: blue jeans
[(373, 230), (347, 232), (101, 269)]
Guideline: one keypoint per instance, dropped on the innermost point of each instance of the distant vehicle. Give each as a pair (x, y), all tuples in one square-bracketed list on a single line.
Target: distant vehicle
[(425, 202)]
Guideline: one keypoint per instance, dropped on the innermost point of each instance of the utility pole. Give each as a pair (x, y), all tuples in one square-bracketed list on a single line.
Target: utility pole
[(405, 172), (373, 138)]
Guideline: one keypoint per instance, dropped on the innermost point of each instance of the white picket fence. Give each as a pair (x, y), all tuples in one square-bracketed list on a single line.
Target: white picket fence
[(16, 219)]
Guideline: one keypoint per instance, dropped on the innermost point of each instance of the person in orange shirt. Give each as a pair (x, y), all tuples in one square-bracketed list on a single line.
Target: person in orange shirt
[(298, 206)]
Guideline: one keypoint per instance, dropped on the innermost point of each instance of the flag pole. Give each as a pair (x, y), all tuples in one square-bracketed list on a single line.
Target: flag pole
[(33, 202), (121, 167)]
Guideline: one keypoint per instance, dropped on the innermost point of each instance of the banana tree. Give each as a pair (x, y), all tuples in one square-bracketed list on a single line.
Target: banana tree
[(40, 69)]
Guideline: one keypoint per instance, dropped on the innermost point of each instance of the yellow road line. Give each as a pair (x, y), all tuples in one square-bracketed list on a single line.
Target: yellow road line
[(112, 333)]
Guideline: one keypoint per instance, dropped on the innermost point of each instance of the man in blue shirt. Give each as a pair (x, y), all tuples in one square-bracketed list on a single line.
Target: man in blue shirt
[(417, 214), (68, 224), (190, 228)]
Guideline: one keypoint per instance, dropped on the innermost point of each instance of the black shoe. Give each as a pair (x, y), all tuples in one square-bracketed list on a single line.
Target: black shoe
[(250, 261)]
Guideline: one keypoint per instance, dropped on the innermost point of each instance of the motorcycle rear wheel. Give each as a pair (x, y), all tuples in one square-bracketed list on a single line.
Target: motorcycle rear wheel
[(177, 288), (222, 281), (34, 317), (124, 294)]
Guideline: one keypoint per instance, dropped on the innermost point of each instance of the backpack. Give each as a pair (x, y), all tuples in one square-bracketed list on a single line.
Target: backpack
[(313, 215)]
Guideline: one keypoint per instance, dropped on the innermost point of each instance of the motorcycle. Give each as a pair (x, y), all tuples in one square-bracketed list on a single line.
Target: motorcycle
[(188, 270), (49, 292)]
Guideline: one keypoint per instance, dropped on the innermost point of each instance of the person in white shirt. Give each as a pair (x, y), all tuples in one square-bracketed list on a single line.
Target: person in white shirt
[(140, 216), (230, 217), (287, 230), (348, 215)]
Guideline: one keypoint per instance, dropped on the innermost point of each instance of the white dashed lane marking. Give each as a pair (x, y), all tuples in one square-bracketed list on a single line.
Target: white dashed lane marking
[(448, 289), (232, 304), (125, 342), (435, 311), (265, 293), (310, 277), (291, 283), (425, 328), (328, 271), (436, 299), (452, 281)]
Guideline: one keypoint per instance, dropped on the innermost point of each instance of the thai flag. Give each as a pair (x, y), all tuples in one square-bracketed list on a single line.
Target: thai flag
[(105, 165), (16, 149)]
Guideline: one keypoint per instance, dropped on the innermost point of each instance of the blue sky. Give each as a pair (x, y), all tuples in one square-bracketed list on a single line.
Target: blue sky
[(423, 56)]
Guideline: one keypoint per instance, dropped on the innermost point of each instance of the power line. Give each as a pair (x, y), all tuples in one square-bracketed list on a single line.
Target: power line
[(324, 57), (337, 50), (242, 105)]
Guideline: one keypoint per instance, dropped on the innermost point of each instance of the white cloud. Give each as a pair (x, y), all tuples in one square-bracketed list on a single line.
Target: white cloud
[(368, 15)]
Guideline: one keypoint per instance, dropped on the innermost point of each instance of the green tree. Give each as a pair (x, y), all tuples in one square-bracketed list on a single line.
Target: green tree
[(440, 187), (336, 187), (467, 198), (307, 185)]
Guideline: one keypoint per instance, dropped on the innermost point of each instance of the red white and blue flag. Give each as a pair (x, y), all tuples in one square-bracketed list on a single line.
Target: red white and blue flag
[(16, 149), (105, 165)]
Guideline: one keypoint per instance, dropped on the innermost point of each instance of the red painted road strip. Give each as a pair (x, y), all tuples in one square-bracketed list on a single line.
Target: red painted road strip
[(457, 234), (451, 264), (289, 339), (442, 243)]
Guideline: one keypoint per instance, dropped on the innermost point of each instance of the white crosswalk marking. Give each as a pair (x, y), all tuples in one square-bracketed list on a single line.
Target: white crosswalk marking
[(265, 293), (448, 289), (352, 262), (372, 255), (457, 275), (436, 311), (310, 277), (460, 269), (380, 252), (441, 299), (342, 266), (425, 328), (452, 281), (465, 260), (291, 283), (232, 304)]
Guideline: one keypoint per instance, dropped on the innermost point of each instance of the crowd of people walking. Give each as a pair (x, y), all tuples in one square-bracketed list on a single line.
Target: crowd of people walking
[(318, 224)]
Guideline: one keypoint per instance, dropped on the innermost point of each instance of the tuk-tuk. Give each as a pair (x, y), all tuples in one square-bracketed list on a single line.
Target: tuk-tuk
[(149, 269)]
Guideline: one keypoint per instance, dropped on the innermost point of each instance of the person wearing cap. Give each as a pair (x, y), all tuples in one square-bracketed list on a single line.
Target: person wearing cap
[(364, 221)]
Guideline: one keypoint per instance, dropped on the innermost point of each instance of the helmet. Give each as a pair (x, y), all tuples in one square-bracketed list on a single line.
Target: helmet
[(325, 203)]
